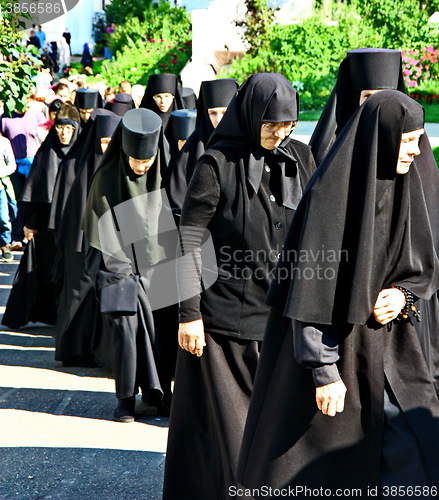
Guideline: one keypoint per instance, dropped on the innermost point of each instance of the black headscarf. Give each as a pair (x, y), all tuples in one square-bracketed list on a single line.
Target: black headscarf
[(121, 104), (362, 69), (164, 83), (158, 84), (360, 227), (262, 97), (71, 166), (40, 184), (213, 94), (115, 183), (367, 69)]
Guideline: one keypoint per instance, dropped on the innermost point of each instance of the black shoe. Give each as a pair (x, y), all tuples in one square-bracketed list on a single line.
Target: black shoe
[(6, 254), (125, 410)]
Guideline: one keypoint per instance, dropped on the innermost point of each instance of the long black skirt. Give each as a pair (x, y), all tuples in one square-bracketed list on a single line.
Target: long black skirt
[(79, 336), (288, 442), (33, 297), (134, 347), (209, 408)]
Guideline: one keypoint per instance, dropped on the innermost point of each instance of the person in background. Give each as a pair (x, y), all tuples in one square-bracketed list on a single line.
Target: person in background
[(33, 296), (110, 94), (64, 56), (34, 40), (21, 130), (87, 58), (137, 93), (125, 87), (41, 36), (121, 104), (86, 101), (7, 167), (62, 90), (44, 128), (214, 98)]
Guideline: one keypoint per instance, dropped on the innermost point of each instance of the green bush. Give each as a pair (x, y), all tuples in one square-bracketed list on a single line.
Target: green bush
[(309, 53), (160, 21), (18, 65), (140, 59)]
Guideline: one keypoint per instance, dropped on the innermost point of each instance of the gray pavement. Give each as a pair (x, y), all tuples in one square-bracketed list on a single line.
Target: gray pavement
[(57, 437)]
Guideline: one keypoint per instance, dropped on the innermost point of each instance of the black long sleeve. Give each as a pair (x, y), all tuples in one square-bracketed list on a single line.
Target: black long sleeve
[(199, 208)]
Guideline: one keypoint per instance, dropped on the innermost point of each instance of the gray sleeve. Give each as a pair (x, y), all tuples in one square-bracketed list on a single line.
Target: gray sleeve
[(316, 347)]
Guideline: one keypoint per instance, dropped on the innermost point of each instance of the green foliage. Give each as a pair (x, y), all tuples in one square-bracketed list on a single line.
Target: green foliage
[(160, 21), (140, 59), (257, 24), (18, 65), (401, 23), (119, 11), (309, 53), (312, 71), (436, 155)]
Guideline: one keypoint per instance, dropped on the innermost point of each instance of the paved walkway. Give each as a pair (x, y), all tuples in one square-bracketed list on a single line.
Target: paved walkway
[(57, 437)]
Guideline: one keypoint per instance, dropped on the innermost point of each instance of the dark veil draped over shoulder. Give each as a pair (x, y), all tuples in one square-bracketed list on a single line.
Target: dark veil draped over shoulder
[(374, 222), (40, 184), (69, 233), (260, 96)]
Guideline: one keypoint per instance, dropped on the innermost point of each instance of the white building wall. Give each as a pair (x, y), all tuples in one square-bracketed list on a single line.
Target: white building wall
[(78, 21)]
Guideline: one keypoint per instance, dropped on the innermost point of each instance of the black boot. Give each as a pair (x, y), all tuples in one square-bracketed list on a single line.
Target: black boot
[(125, 410)]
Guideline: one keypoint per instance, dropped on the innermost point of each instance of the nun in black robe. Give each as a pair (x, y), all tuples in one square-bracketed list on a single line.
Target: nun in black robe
[(121, 104), (369, 69), (78, 325), (86, 100), (245, 195), (166, 83), (34, 296), (126, 209), (360, 228), (213, 94)]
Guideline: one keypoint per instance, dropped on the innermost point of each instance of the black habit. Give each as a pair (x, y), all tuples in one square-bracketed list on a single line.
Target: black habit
[(245, 196), (359, 228), (34, 296)]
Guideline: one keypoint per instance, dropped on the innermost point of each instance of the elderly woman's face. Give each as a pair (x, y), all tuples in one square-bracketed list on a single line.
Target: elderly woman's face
[(65, 133), (408, 149), (140, 167), (272, 134)]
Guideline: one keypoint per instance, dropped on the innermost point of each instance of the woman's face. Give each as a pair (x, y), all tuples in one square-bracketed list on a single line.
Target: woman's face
[(408, 149), (272, 134), (140, 167), (85, 114), (164, 101), (367, 93), (216, 115), (65, 133), (105, 141)]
